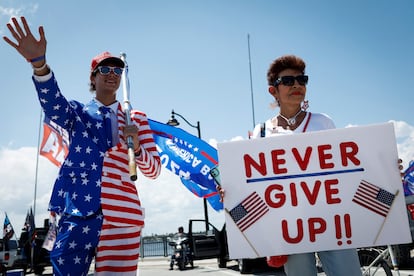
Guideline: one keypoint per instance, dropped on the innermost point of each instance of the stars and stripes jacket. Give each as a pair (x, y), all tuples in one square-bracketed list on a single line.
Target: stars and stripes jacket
[(95, 175)]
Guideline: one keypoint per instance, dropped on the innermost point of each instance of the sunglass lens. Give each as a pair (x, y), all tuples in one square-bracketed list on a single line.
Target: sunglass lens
[(288, 80), (118, 71), (302, 80), (104, 70)]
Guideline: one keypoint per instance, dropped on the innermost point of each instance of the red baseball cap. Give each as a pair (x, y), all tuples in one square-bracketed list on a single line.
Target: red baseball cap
[(106, 56)]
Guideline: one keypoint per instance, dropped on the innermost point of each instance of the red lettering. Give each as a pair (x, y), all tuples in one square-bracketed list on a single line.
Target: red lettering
[(276, 197), (249, 162), (293, 194), (311, 195), (316, 226), (278, 161), (348, 152), (331, 190), (280, 197), (302, 162), (285, 232), (324, 156)]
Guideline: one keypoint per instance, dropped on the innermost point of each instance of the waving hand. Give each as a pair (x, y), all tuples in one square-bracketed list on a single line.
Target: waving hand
[(26, 44)]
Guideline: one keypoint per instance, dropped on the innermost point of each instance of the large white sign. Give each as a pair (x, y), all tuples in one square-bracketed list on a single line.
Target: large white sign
[(323, 190)]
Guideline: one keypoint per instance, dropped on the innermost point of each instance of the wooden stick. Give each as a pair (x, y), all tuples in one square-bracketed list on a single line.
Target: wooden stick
[(385, 219)]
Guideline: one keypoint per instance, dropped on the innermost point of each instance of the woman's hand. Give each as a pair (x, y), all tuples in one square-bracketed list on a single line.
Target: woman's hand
[(400, 167), (221, 192), (26, 44)]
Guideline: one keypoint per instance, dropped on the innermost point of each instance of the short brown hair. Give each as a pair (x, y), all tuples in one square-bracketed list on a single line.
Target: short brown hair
[(282, 63)]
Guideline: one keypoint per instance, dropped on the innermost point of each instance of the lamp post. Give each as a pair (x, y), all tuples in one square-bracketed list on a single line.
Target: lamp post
[(173, 122)]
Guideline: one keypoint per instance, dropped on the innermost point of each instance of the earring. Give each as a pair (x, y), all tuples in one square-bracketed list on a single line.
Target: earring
[(305, 105)]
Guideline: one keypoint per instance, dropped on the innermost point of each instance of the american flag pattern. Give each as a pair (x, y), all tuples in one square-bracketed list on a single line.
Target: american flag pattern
[(373, 198), (247, 212), (94, 175)]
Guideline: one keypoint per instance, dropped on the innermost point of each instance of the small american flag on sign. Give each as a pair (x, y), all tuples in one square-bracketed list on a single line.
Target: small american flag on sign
[(373, 198), (247, 212)]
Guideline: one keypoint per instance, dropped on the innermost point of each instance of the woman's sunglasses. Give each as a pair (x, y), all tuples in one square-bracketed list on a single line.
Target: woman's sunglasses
[(290, 80), (105, 70)]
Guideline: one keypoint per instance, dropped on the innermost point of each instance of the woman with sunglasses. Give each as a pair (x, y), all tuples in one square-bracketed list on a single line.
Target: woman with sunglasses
[(287, 84), (98, 205)]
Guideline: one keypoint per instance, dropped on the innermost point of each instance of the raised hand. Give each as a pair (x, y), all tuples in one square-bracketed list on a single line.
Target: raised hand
[(26, 44)]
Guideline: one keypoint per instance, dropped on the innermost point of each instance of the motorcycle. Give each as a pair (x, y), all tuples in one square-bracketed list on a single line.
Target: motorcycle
[(182, 254)]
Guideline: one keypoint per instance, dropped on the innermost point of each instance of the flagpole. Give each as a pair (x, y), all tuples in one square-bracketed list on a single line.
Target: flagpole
[(251, 81), (383, 222), (244, 236), (37, 162), (174, 122), (35, 190)]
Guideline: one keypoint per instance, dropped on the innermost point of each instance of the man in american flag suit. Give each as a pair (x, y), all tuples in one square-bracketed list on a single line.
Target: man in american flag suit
[(99, 207)]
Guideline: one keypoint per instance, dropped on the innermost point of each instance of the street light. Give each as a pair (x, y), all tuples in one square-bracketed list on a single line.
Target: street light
[(173, 122)]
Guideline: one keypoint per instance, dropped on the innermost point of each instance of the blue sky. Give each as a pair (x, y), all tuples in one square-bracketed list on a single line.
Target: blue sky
[(192, 56)]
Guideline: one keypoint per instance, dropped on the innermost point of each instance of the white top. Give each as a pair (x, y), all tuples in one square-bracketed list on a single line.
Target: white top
[(317, 121)]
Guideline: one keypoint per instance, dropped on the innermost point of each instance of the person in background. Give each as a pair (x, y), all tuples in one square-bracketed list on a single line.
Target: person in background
[(99, 208), (179, 235)]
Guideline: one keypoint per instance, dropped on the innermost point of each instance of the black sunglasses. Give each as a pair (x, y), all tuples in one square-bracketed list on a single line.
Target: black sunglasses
[(105, 70), (290, 80)]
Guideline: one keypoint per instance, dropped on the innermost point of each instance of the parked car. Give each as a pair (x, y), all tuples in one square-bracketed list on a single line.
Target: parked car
[(11, 256), (206, 241)]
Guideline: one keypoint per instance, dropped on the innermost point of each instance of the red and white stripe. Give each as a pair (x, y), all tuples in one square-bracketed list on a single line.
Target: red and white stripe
[(118, 248), (118, 251)]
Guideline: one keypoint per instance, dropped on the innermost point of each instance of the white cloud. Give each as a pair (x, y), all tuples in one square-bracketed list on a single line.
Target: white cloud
[(22, 10), (18, 177), (7, 13), (405, 141)]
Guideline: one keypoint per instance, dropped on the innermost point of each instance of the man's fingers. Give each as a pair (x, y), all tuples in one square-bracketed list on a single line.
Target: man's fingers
[(18, 28), (13, 32), (26, 26), (42, 33), (11, 43)]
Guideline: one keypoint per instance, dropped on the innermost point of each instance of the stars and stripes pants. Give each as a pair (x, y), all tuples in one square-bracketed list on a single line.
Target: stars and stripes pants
[(80, 239), (76, 242), (118, 250)]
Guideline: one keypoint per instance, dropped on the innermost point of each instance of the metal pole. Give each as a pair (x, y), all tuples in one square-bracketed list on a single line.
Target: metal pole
[(37, 163), (204, 199), (199, 136), (251, 81)]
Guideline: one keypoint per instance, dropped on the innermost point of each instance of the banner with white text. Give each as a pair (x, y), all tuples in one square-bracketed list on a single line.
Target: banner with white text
[(323, 190)]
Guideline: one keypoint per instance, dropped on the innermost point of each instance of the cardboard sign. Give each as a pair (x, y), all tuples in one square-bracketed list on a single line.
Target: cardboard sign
[(308, 192)]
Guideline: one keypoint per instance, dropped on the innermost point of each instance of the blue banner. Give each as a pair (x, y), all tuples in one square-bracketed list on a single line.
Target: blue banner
[(188, 157), (408, 179)]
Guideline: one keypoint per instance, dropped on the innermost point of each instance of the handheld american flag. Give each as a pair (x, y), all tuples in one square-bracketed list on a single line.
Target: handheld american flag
[(373, 198), (247, 212)]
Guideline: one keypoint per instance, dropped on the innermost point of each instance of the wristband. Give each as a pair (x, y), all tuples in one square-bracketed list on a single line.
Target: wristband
[(36, 59), (38, 69)]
